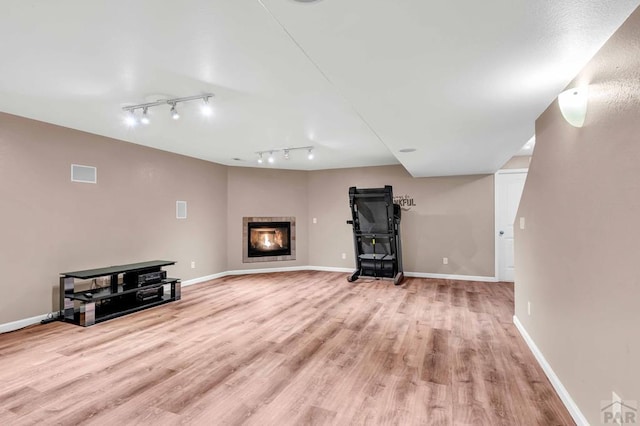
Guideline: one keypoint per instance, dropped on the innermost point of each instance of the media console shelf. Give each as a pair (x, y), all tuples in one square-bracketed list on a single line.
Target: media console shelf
[(142, 287)]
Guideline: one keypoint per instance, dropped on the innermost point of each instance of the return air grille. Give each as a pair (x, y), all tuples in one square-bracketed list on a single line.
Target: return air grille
[(84, 174)]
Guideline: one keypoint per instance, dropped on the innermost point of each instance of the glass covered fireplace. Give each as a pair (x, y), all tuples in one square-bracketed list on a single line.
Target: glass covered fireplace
[(268, 239)]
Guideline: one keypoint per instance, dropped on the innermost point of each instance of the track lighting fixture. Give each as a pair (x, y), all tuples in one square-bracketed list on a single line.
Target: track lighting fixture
[(286, 153), (131, 119)]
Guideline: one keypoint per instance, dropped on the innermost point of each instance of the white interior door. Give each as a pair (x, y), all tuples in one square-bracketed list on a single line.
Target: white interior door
[(509, 186)]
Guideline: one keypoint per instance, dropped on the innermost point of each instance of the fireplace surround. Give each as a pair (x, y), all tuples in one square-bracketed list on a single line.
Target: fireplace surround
[(268, 239)]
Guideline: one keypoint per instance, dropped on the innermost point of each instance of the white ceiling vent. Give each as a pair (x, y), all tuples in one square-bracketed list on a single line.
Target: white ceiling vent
[(181, 209), (84, 174)]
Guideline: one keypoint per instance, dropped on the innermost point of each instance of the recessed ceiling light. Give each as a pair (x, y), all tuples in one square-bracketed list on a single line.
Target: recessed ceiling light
[(408, 150)]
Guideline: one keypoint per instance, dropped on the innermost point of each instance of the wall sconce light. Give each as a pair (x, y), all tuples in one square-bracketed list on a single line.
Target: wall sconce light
[(573, 105)]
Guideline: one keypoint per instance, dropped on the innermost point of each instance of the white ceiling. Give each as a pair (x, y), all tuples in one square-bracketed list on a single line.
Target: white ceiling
[(462, 82)]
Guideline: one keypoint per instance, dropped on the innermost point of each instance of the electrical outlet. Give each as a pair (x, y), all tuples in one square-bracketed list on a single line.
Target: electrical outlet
[(529, 308), (315, 220), (522, 223), (445, 260), (344, 255), (193, 264)]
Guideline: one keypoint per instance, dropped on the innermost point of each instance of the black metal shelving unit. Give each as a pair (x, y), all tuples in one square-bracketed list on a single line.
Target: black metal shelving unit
[(88, 307)]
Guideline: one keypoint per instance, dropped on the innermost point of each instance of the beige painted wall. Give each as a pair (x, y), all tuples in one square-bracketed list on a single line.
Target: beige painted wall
[(271, 193), (453, 217), (52, 225), (517, 162), (577, 261)]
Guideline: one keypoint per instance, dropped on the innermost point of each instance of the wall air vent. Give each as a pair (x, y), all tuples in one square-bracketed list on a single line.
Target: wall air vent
[(84, 174)]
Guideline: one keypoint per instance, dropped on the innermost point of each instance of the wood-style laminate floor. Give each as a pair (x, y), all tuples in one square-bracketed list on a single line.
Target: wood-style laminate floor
[(287, 349)]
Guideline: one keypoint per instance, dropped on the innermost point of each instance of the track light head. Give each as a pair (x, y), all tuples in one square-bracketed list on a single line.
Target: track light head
[(286, 154), (145, 116), (130, 119), (260, 160), (174, 112), (206, 108), (270, 159), (310, 154)]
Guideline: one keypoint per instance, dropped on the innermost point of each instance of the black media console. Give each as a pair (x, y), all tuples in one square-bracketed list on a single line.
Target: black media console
[(142, 286)]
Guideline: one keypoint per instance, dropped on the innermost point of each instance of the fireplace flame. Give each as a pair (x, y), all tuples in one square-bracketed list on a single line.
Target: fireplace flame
[(268, 239)]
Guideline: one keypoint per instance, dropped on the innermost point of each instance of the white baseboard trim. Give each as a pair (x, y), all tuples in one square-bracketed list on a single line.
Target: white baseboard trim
[(242, 272), (351, 270), (16, 325), (562, 392), (330, 269), (410, 274), (267, 270), (450, 277), (203, 279)]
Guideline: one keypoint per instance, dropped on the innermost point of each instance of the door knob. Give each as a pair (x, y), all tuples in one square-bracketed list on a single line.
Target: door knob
[(501, 233)]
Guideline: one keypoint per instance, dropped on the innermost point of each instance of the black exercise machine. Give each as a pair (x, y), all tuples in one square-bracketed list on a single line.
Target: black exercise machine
[(376, 234)]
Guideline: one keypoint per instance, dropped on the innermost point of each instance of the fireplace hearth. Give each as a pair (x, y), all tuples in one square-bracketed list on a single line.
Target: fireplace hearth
[(268, 239)]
